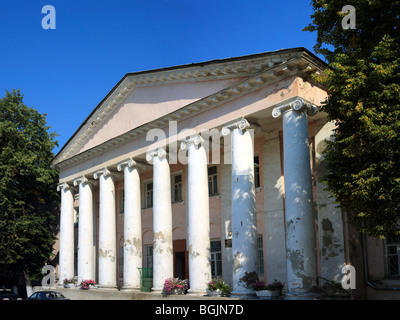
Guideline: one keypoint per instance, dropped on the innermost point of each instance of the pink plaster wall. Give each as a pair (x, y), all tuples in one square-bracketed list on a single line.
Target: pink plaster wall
[(145, 104)]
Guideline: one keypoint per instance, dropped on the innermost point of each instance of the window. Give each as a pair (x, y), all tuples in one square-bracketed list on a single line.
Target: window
[(149, 195), (393, 255), (34, 296), (260, 255), (212, 181), (121, 261), (176, 188), (149, 256), (216, 258), (121, 200), (257, 182)]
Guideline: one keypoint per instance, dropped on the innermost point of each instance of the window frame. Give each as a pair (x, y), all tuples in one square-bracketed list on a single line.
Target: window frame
[(257, 172), (146, 204), (174, 184), (215, 261), (214, 181), (148, 248), (260, 255), (388, 255), (121, 201)]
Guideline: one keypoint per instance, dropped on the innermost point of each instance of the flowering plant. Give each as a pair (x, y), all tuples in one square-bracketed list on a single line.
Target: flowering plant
[(275, 285), (218, 283), (259, 285), (86, 283), (175, 283), (67, 281)]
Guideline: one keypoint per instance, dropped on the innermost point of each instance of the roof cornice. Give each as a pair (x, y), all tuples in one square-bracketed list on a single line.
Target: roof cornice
[(259, 71)]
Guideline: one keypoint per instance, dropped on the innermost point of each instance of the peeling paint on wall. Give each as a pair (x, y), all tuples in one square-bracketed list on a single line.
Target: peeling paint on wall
[(134, 246), (107, 254), (329, 246)]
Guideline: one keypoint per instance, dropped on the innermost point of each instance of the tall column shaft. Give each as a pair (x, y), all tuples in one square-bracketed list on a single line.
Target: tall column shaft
[(132, 224), (198, 233), (66, 257), (162, 219), (107, 230), (244, 222), (86, 269), (301, 256)]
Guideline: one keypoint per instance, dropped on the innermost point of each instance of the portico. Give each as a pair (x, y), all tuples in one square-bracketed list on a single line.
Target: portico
[(148, 165)]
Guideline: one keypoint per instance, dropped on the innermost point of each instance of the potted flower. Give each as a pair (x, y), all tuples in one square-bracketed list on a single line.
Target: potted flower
[(217, 287), (270, 291), (276, 287), (175, 286), (88, 284), (69, 283)]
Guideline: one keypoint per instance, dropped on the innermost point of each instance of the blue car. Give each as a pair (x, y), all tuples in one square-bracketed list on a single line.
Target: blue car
[(47, 295)]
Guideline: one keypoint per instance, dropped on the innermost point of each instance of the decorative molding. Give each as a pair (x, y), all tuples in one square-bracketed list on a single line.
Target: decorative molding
[(106, 173), (298, 105), (240, 124), (194, 139), (64, 186), (84, 180), (259, 72), (131, 164), (159, 152)]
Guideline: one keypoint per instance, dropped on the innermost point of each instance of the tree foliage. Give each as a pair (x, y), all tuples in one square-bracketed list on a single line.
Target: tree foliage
[(28, 196), (364, 101)]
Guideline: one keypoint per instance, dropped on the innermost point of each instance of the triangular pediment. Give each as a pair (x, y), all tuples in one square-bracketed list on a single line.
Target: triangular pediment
[(146, 103), (145, 98)]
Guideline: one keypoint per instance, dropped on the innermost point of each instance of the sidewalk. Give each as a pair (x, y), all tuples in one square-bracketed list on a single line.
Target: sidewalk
[(114, 294)]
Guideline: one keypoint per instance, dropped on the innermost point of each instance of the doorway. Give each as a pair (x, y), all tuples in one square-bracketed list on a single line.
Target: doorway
[(181, 266)]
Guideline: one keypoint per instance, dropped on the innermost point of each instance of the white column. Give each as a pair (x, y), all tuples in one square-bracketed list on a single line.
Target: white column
[(66, 256), (132, 224), (244, 223), (86, 269), (107, 230), (162, 219), (301, 256), (198, 215)]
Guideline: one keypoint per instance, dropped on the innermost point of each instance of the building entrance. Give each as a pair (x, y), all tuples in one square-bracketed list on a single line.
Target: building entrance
[(181, 266)]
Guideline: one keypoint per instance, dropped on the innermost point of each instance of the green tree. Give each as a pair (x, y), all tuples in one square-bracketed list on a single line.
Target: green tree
[(364, 101), (28, 196)]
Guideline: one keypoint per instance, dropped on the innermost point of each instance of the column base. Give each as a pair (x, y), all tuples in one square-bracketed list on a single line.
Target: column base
[(157, 290), (297, 295), (130, 288), (246, 294), (197, 292), (107, 287)]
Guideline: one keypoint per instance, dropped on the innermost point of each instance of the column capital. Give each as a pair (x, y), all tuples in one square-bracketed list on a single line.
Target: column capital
[(83, 179), (194, 139), (241, 124), (64, 186), (129, 162), (106, 173), (298, 105), (159, 152)]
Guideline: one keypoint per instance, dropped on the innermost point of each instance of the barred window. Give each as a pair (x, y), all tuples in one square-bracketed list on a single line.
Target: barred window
[(177, 188), (121, 201), (216, 258), (257, 182), (260, 255), (149, 195), (212, 181), (392, 245), (149, 256)]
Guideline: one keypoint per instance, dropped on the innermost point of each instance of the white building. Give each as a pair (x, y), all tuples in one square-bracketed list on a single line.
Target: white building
[(204, 170)]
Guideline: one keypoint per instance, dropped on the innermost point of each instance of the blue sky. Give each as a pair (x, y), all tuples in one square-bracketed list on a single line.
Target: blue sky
[(65, 72)]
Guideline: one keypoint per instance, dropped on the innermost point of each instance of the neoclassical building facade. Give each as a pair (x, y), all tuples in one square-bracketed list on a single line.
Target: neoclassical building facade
[(201, 171)]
